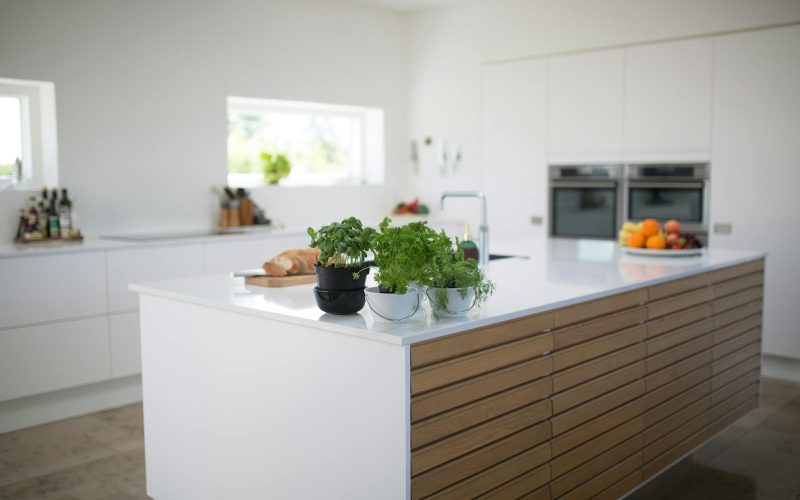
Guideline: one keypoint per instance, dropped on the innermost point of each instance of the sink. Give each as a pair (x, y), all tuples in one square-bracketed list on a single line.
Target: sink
[(498, 256), (169, 236)]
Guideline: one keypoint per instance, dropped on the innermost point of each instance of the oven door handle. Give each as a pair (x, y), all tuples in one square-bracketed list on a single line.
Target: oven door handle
[(584, 185), (665, 185)]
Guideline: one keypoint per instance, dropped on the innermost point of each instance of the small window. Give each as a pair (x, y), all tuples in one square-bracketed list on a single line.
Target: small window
[(28, 149), (325, 144)]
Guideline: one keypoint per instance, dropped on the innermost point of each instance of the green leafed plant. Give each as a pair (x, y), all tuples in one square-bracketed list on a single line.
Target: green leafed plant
[(342, 244), (275, 167), (403, 254)]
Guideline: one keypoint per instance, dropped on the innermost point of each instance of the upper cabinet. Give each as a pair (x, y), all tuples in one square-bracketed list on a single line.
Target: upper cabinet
[(514, 130), (586, 107), (668, 104)]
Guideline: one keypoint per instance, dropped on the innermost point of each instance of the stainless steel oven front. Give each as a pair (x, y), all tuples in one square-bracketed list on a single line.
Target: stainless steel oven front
[(585, 201), (663, 192)]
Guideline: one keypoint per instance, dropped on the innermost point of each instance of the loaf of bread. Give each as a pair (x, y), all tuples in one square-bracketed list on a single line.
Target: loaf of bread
[(294, 261)]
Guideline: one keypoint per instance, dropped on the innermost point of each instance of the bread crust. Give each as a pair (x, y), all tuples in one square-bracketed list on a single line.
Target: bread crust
[(274, 269)]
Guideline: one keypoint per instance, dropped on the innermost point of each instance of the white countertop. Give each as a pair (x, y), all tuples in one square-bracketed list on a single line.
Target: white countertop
[(557, 273), (100, 243)]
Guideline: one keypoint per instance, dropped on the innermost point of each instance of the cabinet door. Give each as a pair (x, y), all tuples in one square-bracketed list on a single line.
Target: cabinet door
[(44, 358), (234, 254), (668, 98), (585, 115), (51, 287), (126, 352), (755, 174), (514, 173), (139, 265)]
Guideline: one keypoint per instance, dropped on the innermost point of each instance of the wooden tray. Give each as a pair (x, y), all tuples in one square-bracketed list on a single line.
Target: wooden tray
[(281, 281), (48, 241)]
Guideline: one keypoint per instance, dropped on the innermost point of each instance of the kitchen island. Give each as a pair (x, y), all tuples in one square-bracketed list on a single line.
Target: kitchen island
[(587, 373)]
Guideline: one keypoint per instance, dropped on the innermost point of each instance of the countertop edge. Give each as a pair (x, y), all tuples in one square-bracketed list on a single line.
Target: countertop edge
[(149, 289)]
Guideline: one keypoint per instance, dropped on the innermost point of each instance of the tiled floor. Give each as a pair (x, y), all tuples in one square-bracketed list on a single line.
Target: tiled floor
[(101, 456)]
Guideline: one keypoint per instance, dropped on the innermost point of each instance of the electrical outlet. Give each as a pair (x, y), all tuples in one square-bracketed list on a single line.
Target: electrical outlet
[(723, 228), (537, 220)]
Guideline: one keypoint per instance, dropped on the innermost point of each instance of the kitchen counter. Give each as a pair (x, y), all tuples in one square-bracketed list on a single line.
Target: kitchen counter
[(554, 273), (587, 373)]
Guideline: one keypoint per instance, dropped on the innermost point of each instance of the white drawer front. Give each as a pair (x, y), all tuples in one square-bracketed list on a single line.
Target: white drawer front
[(139, 265), (51, 287), (44, 358), (229, 256), (126, 352)]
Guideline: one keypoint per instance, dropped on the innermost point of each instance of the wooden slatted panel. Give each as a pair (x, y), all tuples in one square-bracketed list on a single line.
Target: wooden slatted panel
[(604, 325), (678, 353), (568, 461), (736, 271), (672, 406), (700, 376), (529, 462), (606, 479), (483, 458), (570, 378), (661, 445), (572, 356), (452, 396), (451, 346), (673, 422), (679, 336), (738, 284), (735, 329), (736, 386), (464, 367), (597, 386), (461, 418), (733, 359), (732, 416), (452, 447), (673, 304), (737, 299), (667, 458), (596, 426), (599, 307), (729, 404), (621, 487), (542, 493), (675, 287), (728, 376), (596, 407), (673, 372), (529, 482), (735, 315), (595, 466), (664, 324), (736, 343)]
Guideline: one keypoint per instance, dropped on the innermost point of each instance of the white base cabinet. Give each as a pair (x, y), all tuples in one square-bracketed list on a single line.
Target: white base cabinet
[(124, 338)]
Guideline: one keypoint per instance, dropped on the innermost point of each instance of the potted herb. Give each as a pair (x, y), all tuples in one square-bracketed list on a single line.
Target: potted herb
[(341, 269), (402, 255), (275, 167), (454, 284)]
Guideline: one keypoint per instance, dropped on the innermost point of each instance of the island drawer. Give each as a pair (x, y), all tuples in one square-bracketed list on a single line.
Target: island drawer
[(686, 317), (737, 299), (671, 305), (592, 369), (595, 387), (580, 435), (678, 286), (464, 367), (676, 420), (599, 307), (738, 284), (735, 315), (447, 474), (733, 330), (682, 351), (676, 404), (736, 271), (737, 371), (679, 336), (572, 356), (589, 330), (680, 449), (585, 472), (451, 346), (597, 407), (673, 372)]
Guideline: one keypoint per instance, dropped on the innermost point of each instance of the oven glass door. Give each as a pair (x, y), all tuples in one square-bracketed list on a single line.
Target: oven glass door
[(584, 212), (664, 202)]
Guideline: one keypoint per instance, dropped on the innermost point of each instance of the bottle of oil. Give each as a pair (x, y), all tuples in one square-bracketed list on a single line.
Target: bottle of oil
[(468, 246)]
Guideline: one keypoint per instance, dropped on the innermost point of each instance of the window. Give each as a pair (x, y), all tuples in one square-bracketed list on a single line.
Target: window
[(28, 151), (326, 144)]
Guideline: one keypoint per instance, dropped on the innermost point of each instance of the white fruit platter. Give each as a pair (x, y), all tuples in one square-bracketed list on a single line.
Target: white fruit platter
[(651, 252)]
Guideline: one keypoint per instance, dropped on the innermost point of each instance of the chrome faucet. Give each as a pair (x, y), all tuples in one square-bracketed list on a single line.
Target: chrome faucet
[(484, 227)]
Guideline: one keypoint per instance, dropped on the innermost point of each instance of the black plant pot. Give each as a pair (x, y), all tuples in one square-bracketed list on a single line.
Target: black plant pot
[(340, 301), (341, 278)]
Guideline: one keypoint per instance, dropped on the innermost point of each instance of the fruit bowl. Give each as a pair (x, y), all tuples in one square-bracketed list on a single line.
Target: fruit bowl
[(651, 252)]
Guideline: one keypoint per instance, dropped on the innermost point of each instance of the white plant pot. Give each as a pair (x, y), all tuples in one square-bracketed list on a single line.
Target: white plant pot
[(393, 306), (456, 304)]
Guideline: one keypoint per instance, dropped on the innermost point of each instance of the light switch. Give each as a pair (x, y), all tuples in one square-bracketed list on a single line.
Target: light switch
[(537, 220), (723, 228)]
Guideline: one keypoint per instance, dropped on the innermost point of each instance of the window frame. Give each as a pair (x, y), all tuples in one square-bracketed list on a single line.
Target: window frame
[(369, 170)]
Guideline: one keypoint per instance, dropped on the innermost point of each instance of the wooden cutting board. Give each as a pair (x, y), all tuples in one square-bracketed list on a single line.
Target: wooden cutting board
[(281, 281)]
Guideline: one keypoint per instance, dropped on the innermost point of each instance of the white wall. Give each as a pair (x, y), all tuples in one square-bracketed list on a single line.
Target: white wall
[(450, 45), (141, 89)]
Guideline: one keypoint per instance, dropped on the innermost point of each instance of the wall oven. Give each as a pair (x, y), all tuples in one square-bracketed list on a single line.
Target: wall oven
[(585, 201), (669, 191)]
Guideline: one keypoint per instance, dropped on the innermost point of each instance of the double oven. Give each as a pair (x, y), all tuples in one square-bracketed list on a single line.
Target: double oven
[(592, 201)]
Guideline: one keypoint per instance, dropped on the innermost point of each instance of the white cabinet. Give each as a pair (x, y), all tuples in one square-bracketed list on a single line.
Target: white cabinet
[(138, 265), (668, 99), (755, 174), (514, 166), (126, 352), (586, 107), (51, 287), (235, 254), (43, 358)]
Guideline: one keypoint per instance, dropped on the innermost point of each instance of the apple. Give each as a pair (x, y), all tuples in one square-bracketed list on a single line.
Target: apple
[(673, 238), (672, 226)]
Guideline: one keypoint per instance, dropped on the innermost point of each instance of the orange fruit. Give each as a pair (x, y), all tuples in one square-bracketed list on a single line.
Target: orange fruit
[(650, 227), (637, 240), (657, 242)]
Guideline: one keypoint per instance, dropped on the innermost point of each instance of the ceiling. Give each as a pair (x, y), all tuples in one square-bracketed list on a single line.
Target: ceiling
[(410, 5)]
